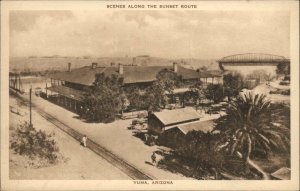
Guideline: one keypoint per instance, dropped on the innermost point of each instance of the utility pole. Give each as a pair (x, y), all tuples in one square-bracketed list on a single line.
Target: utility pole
[(30, 115)]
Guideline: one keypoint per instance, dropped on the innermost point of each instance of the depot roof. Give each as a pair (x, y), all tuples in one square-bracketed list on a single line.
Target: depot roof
[(68, 92), (131, 74)]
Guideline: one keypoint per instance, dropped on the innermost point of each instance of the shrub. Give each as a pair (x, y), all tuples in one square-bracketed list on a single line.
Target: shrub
[(283, 68), (194, 151), (214, 92), (233, 84), (286, 92), (284, 83), (282, 92), (259, 75), (136, 99), (200, 148), (142, 115), (136, 122), (287, 77), (37, 145)]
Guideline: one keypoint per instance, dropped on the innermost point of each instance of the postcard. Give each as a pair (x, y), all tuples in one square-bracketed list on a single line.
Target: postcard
[(149, 95)]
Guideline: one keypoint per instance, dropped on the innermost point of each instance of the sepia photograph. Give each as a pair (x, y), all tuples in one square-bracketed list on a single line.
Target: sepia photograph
[(151, 94)]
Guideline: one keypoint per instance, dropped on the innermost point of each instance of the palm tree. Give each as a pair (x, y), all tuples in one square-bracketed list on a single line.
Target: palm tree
[(252, 124)]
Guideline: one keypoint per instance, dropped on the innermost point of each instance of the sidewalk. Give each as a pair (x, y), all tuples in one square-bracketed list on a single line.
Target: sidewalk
[(114, 137)]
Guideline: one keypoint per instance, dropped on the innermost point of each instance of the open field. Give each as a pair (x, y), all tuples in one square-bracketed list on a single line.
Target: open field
[(265, 89), (245, 70)]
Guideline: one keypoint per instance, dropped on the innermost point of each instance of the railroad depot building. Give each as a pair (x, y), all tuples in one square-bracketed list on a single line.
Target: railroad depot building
[(68, 87)]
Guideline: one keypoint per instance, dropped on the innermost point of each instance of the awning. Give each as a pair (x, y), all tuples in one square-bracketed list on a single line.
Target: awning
[(179, 91), (209, 74), (204, 126), (68, 92)]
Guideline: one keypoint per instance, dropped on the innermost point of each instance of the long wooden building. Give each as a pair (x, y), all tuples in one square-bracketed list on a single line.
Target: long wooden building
[(69, 86)]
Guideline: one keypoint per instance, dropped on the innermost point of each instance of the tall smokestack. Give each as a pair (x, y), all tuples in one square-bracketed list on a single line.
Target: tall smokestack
[(69, 67), (175, 67), (121, 69)]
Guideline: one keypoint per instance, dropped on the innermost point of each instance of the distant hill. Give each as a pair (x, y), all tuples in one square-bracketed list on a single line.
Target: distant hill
[(61, 63)]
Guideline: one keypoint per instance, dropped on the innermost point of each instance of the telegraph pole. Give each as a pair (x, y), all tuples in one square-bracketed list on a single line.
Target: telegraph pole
[(30, 115), (46, 91)]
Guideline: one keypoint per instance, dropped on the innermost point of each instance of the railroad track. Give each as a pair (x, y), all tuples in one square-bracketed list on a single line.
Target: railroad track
[(112, 158)]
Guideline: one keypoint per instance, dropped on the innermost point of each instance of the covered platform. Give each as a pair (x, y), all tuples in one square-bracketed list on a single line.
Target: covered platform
[(67, 97)]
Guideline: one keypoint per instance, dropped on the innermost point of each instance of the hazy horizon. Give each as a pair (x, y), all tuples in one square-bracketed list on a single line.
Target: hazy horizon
[(62, 56), (206, 35)]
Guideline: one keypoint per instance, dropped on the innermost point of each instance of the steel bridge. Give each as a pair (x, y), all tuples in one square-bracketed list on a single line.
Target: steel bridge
[(254, 58)]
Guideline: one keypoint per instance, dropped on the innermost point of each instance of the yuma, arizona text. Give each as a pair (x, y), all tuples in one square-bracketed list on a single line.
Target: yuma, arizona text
[(153, 182)]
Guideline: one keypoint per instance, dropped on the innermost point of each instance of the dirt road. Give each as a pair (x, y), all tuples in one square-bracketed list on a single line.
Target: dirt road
[(80, 163)]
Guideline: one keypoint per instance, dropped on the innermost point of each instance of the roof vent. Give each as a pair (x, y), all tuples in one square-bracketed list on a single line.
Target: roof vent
[(69, 67), (175, 67), (121, 69), (94, 65)]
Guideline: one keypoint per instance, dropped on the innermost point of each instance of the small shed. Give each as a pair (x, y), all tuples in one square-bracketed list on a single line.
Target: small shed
[(171, 135), (158, 122)]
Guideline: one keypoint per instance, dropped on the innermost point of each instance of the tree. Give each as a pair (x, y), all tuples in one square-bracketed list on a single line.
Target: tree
[(251, 125), (124, 102), (199, 147), (136, 98), (214, 92), (203, 68), (168, 79), (233, 84), (197, 150), (196, 92), (105, 99), (283, 68), (156, 94)]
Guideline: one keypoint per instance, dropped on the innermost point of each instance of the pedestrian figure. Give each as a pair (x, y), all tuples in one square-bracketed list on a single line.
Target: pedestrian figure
[(153, 157), (84, 139), (146, 138)]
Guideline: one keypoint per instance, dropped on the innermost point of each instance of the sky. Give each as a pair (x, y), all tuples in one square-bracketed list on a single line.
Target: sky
[(168, 34)]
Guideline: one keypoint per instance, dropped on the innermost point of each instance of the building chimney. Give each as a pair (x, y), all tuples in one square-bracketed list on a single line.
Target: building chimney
[(69, 67), (121, 69), (175, 67), (94, 65)]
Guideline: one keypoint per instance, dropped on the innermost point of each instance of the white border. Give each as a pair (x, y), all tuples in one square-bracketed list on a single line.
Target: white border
[(292, 184)]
